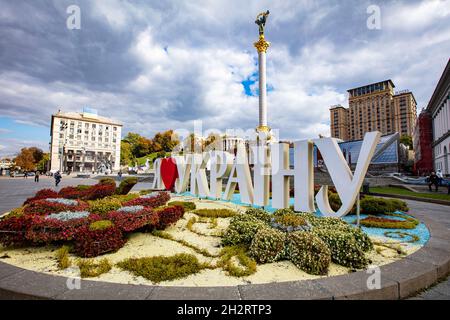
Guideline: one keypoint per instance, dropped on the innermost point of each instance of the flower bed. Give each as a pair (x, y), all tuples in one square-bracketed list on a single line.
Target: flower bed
[(42, 194), (97, 238), (58, 227), (129, 221), (43, 207), (152, 200), (386, 223), (13, 230)]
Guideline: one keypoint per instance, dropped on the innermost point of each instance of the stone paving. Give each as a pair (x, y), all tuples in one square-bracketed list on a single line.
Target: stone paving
[(13, 191)]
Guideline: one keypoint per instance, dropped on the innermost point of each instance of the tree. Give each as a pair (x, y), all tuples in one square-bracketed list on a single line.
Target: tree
[(126, 156), (28, 158), (407, 141), (165, 141), (42, 165)]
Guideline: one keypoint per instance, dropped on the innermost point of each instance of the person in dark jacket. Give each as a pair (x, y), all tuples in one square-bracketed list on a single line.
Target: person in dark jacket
[(433, 179), (36, 176), (58, 178)]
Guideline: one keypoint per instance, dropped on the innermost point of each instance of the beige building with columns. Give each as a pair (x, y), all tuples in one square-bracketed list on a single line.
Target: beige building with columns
[(84, 142), (374, 107)]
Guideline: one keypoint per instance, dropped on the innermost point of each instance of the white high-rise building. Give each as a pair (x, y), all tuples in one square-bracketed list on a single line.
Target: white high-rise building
[(84, 142)]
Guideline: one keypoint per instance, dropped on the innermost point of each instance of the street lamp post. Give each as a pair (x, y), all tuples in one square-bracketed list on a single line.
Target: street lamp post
[(63, 128)]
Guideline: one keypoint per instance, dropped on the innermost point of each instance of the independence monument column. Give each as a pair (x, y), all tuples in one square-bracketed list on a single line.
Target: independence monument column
[(262, 45)]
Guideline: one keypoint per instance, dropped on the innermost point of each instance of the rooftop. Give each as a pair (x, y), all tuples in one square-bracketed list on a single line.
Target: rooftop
[(86, 116)]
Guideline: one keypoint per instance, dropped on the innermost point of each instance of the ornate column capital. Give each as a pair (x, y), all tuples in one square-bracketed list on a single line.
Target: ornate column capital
[(262, 45)]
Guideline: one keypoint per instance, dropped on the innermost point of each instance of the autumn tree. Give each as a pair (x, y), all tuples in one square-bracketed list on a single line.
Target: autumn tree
[(28, 158)]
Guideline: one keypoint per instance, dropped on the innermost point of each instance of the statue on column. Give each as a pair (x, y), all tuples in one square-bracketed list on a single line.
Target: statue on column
[(261, 21)]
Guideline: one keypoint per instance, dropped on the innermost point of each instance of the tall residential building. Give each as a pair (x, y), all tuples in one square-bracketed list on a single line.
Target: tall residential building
[(374, 107), (84, 142), (439, 108)]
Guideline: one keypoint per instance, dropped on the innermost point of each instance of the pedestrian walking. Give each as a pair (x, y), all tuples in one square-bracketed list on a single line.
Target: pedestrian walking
[(36, 176), (433, 180), (58, 178), (440, 176), (25, 175)]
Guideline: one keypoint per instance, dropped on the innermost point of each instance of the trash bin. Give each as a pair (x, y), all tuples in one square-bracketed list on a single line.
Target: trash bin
[(366, 188)]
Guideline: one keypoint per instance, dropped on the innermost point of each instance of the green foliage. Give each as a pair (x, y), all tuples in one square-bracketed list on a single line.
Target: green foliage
[(107, 181), (374, 206), (83, 187), (290, 220), (281, 212), (161, 268), (215, 213), (242, 229), (308, 252), (168, 236), (188, 206), (344, 248), (123, 198), (268, 245), (62, 257), (407, 141), (100, 225), (105, 205), (126, 155), (377, 222), (17, 212), (126, 185), (246, 267), (260, 214), (90, 269)]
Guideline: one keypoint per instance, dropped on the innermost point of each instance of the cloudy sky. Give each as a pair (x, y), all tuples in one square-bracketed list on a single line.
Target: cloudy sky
[(158, 65)]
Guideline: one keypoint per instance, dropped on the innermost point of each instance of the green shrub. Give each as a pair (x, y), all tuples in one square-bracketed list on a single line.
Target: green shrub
[(103, 206), (124, 198), (215, 213), (281, 212), (161, 268), (100, 225), (62, 257), (239, 252), (260, 214), (188, 206), (126, 185), (344, 248), (89, 268), (268, 245), (83, 187), (334, 201), (107, 181), (242, 229), (290, 220), (308, 252), (374, 206)]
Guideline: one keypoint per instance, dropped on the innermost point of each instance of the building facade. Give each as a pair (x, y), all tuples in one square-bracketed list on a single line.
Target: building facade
[(84, 142), (439, 109), (423, 140), (374, 107)]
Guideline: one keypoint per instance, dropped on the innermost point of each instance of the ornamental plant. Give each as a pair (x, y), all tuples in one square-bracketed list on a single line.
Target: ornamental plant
[(42, 194), (260, 214), (13, 230), (131, 221), (159, 200), (100, 191), (281, 212), (268, 245), (344, 248), (242, 230), (46, 230), (188, 206), (126, 185), (308, 252), (43, 207), (168, 216), (98, 238), (103, 206)]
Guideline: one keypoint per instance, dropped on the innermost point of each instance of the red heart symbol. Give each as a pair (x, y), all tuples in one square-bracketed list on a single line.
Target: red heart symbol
[(169, 172)]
